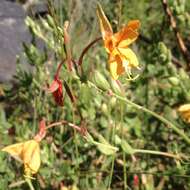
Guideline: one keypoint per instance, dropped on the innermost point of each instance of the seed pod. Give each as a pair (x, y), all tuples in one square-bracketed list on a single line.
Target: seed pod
[(100, 81), (116, 87)]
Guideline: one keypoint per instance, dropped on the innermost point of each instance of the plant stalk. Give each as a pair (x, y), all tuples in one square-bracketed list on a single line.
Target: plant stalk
[(159, 117), (156, 153)]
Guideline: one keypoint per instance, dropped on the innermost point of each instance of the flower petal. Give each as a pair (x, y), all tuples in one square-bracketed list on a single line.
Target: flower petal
[(105, 25), (31, 156), (14, 150), (116, 67), (128, 34), (134, 24), (125, 37), (113, 70), (54, 86), (183, 108), (129, 56)]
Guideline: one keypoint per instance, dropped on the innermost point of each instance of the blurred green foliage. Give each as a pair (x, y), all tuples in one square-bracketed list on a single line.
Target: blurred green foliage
[(67, 158)]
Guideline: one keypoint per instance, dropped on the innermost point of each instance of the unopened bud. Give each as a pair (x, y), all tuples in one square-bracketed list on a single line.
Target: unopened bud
[(100, 81), (50, 21), (104, 108), (174, 81), (116, 87), (113, 101)]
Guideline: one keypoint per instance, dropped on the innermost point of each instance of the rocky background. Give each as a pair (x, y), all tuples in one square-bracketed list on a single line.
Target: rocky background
[(13, 32)]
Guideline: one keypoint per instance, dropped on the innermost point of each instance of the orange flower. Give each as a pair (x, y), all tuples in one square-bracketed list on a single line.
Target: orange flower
[(29, 152), (121, 58)]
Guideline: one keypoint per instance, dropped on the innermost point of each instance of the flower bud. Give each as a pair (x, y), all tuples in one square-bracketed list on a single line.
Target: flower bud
[(100, 81), (113, 101), (50, 21), (116, 87), (104, 108), (174, 81)]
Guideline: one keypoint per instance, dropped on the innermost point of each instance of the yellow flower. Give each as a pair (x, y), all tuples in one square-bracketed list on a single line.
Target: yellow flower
[(121, 58), (184, 110), (29, 153)]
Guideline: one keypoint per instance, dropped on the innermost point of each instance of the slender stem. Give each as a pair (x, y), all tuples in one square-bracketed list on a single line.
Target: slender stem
[(59, 68), (119, 14), (124, 156), (64, 123), (124, 171), (157, 153), (28, 180), (16, 184), (159, 117), (86, 49), (111, 172), (113, 158), (76, 145), (67, 45)]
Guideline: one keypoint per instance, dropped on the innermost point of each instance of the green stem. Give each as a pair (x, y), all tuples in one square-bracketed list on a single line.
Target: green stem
[(124, 158), (28, 180), (124, 171), (156, 153), (16, 184), (111, 172), (168, 123), (159, 117)]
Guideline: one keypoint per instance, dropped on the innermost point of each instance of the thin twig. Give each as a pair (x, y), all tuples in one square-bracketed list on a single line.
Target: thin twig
[(28, 180), (17, 184), (67, 45), (172, 21), (86, 49), (79, 129), (157, 153)]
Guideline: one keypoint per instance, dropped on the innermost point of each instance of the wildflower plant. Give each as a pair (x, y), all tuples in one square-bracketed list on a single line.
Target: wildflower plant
[(95, 121)]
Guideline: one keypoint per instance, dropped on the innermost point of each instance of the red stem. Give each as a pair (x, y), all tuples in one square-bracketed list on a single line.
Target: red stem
[(86, 49), (59, 68), (79, 129)]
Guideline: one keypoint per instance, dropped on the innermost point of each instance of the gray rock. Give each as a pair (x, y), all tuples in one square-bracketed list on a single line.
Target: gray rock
[(13, 32)]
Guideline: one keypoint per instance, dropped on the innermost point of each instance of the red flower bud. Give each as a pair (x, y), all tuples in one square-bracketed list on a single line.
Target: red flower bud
[(57, 90)]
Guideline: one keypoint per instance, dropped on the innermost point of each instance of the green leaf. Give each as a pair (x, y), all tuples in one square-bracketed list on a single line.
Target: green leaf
[(89, 138), (106, 149), (103, 147), (127, 148)]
